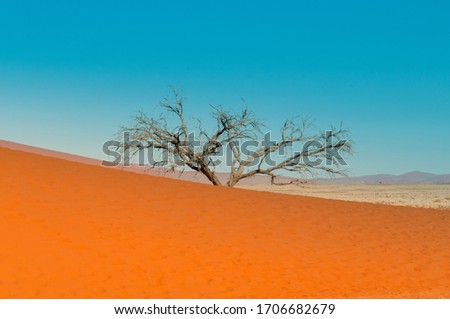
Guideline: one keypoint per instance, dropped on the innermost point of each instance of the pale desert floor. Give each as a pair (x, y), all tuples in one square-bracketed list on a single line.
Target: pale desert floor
[(431, 196)]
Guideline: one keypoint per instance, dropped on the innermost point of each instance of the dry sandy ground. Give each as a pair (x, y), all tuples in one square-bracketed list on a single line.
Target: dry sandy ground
[(70, 230), (432, 196)]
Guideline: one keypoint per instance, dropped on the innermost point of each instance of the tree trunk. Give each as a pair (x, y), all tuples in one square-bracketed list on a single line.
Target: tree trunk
[(209, 174), (232, 182)]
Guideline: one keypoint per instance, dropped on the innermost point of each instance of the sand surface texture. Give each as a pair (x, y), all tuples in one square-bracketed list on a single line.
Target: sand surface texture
[(70, 230)]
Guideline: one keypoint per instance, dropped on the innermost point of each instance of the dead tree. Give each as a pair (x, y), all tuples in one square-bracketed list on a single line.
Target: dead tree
[(297, 153)]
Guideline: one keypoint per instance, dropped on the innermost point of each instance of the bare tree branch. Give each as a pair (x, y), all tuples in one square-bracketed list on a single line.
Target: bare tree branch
[(309, 154)]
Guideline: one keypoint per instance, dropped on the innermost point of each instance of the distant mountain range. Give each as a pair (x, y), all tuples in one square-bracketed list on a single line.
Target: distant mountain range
[(415, 177)]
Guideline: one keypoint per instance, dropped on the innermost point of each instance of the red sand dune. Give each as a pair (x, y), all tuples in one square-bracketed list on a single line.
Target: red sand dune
[(158, 171), (50, 153), (71, 230)]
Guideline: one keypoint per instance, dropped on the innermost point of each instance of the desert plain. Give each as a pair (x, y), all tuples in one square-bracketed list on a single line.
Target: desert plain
[(76, 230), (414, 195)]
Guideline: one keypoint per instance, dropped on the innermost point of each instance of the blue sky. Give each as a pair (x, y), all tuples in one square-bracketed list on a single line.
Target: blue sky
[(72, 73)]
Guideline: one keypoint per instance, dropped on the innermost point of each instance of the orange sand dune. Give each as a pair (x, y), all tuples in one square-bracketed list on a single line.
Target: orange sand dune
[(70, 230)]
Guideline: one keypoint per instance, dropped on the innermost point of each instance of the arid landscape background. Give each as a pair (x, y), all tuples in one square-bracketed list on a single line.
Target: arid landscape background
[(415, 189), (244, 93), (415, 195)]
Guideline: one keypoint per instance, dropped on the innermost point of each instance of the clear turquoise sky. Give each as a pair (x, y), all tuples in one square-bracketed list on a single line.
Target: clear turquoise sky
[(72, 73)]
